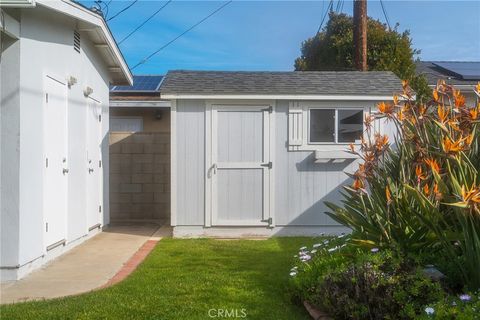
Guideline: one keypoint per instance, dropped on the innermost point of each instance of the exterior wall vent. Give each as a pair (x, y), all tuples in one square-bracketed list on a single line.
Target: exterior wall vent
[(76, 41)]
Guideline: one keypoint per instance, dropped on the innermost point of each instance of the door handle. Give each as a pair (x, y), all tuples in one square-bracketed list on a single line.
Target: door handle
[(65, 170), (90, 170), (214, 167)]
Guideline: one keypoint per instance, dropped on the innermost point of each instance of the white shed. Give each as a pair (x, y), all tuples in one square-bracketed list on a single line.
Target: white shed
[(58, 59), (258, 153)]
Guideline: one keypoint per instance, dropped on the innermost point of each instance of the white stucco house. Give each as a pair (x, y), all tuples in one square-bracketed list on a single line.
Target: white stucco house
[(58, 60), (258, 153)]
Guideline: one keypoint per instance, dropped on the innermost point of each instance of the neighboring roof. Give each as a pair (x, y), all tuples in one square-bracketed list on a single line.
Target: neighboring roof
[(141, 83), (94, 25), (293, 83), (447, 70)]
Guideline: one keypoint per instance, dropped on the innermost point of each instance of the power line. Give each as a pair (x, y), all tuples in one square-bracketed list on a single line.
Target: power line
[(123, 10), (144, 22), (385, 14), (181, 35), (330, 5)]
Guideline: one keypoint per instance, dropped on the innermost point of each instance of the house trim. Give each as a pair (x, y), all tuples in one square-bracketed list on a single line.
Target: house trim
[(139, 104), (173, 163), (278, 97)]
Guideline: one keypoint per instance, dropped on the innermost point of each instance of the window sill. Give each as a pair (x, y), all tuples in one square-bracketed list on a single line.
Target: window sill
[(322, 156)]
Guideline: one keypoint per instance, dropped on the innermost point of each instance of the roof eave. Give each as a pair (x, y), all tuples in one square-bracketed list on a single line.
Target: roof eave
[(174, 96), (120, 72)]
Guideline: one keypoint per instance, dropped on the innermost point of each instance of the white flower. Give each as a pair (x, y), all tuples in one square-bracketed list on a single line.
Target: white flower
[(303, 248), (332, 249), (325, 242), (374, 250), (293, 274), (316, 245), (465, 297), (295, 256), (429, 310), (314, 251), (305, 258), (341, 236)]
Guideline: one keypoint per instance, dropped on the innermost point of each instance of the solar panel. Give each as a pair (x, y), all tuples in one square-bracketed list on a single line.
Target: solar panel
[(141, 84), (464, 70)]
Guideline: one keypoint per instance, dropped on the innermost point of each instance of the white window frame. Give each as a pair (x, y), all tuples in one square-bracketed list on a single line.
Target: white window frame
[(299, 126), (335, 134)]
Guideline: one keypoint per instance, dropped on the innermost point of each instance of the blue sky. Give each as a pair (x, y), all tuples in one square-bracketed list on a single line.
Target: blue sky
[(266, 35)]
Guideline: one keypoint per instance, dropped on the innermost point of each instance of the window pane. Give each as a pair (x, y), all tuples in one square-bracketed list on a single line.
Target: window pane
[(350, 125), (322, 125)]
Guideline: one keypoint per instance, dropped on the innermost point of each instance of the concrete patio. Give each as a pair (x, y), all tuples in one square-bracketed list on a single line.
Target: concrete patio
[(88, 266)]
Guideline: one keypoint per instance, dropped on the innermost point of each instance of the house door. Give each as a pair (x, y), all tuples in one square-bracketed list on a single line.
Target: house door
[(240, 166), (56, 164), (94, 164)]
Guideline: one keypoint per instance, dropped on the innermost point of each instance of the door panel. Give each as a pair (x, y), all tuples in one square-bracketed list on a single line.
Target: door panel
[(56, 169), (240, 173), (240, 195), (93, 164), (240, 136)]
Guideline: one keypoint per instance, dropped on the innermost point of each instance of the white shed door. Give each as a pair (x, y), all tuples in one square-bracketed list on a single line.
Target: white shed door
[(94, 165), (240, 166), (56, 165)]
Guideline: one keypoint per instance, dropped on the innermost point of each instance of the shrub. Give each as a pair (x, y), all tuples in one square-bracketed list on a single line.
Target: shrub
[(461, 307), (350, 283), (422, 195)]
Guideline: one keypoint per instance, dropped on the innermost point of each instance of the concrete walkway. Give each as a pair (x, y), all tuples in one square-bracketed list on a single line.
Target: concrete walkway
[(86, 267)]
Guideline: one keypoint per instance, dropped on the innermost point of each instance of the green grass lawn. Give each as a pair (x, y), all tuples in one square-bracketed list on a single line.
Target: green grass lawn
[(184, 279)]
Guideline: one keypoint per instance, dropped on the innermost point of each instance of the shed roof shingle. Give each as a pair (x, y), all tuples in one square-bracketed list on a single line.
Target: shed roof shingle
[(180, 82)]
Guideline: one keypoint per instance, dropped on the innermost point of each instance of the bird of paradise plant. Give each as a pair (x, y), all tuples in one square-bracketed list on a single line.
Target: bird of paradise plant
[(422, 193)]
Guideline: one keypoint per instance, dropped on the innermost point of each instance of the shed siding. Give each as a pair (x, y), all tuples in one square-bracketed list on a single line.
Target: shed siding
[(190, 135), (302, 186)]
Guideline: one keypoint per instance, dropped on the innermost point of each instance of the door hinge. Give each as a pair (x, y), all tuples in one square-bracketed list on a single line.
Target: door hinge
[(46, 226), (99, 208), (269, 220), (99, 163), (268, 165), (99, 118), (269, 109), (46, 162), (46, 97)]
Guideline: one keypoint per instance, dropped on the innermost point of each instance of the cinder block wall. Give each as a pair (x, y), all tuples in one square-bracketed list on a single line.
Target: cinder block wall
[(139, 176)]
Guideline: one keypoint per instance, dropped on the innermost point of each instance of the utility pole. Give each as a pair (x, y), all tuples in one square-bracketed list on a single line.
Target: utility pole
[(360, 33)]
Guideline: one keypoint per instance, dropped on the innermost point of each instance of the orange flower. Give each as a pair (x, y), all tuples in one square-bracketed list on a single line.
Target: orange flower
[(404, 84), (470, 196), (442, 114), (450, 146), (438, 194), (400, 115), (386, 108), (473, 113), (478, 87), (419, 173), (459, 98), (388, 195), (395, 99), (421, 110), (433, 164), (381, 141), (357, 184), (435, 94), (426, 189)]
